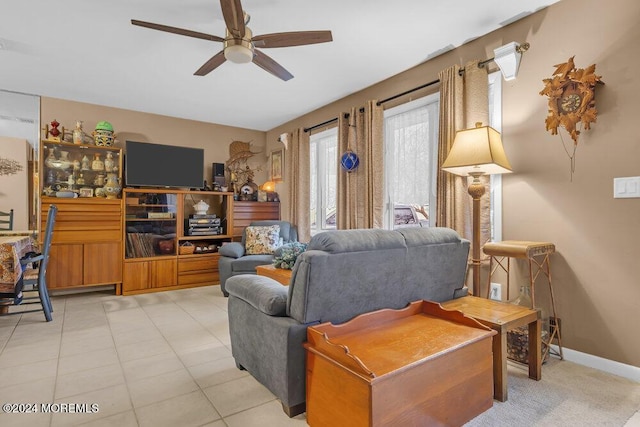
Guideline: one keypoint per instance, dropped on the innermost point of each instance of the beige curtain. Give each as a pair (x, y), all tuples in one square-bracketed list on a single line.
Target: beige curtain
[(464, 100), (297, 165), (360, 202)]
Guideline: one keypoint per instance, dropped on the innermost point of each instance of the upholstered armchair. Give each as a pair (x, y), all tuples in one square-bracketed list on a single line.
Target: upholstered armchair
[(243, 257)]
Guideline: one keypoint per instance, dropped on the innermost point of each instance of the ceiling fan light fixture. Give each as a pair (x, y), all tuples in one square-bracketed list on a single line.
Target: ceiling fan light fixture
[(238, 54)]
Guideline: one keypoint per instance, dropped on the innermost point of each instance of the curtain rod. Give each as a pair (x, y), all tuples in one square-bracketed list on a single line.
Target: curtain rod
[(391, 98)]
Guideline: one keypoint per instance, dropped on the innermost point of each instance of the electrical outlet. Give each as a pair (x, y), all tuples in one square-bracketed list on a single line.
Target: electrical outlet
[(496, 292)]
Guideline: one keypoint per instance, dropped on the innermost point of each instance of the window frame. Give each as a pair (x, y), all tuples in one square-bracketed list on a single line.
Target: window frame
[(321, 166), (389, 214)]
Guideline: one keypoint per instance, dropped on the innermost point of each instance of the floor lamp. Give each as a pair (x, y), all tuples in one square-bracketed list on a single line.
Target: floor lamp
[(476, 152)]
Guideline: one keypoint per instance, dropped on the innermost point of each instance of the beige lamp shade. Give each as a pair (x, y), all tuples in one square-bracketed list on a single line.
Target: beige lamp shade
[(477, 151), (269, 186)]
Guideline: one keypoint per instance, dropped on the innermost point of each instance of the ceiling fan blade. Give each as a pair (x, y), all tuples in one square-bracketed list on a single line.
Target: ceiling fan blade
[(213, 63), (176, 30), (296, 38), (266, 63), (233, 17)]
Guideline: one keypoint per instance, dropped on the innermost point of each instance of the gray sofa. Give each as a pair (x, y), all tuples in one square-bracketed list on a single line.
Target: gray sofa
[(341, 275), (233, 260)]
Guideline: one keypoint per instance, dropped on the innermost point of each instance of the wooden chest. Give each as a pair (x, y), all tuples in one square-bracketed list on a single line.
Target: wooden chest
[(421, 365)]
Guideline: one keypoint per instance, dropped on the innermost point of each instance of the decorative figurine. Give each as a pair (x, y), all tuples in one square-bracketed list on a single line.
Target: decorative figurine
[(109, 163), (78, 133), (85, 163), (97, 164), (99, 180)]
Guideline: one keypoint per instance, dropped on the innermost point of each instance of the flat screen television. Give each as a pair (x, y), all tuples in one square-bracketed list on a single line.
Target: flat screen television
[(157, 165)]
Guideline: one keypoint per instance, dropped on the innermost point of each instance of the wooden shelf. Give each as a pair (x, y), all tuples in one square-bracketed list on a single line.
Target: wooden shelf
[(160, 272)]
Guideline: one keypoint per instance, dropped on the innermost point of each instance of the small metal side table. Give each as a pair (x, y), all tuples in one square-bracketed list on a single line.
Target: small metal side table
[(537, 256)]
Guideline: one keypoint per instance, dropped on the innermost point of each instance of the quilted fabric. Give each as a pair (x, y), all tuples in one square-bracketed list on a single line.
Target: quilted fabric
[(262, 240)]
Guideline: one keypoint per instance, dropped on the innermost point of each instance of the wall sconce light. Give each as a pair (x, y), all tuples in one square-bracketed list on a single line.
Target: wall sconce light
[(508, 57)]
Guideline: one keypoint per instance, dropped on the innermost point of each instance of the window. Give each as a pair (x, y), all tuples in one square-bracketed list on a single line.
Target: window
[(411, 155), (323, 180), (495, 121)]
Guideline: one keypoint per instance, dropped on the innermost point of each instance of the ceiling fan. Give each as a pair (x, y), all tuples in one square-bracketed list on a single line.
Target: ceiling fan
[(240, 44)]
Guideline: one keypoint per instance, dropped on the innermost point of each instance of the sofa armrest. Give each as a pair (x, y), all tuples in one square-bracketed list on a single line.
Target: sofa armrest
[(263, 293), (232, 250)]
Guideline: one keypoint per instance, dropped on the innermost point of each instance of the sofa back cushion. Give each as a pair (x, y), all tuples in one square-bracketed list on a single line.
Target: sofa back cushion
[(350, 272), (437, 261)]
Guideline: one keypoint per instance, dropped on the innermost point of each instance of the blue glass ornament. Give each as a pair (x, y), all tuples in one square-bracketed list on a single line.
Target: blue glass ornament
[(349, 161)]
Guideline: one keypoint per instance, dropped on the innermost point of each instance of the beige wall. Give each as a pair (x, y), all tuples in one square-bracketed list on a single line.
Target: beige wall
[(596, 270), (145, 127)]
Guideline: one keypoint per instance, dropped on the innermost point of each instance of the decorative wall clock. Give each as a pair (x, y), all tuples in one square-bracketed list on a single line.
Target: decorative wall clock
[(571, 98), (571, 93)]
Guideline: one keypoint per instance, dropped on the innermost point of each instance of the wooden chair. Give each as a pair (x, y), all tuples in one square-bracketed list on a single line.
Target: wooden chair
[(34, 275), (6, 224)]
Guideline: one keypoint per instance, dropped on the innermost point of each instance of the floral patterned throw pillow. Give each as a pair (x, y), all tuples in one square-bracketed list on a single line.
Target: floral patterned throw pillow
[(262, 240)]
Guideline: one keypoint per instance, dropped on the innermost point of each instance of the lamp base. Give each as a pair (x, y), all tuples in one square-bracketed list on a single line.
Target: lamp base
[(476, 190)]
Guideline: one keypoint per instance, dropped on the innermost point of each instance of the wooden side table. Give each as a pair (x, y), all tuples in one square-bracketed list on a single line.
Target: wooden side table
[(279, 274), (501, 317), (537, 256)]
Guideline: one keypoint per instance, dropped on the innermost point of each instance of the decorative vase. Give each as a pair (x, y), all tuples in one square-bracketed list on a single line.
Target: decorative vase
[(51, 158), (109, 163), (103, 135), (201, 207), (99, 180), (78, 133), (166, 247), (63, 161), (97, 164), (85, 163), (112, 187)]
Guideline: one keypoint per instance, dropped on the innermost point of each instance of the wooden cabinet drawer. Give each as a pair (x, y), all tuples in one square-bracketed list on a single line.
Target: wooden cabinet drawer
[(198, 263), (206, 277)]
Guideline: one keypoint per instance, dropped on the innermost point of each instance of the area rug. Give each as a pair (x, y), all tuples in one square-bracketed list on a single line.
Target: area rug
[(567, 395)]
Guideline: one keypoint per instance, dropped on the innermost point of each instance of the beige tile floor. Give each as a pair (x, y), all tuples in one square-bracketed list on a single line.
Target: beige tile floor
[(160, 359)]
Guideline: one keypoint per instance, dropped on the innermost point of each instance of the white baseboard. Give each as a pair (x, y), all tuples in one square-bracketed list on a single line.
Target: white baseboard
[(611, 366)]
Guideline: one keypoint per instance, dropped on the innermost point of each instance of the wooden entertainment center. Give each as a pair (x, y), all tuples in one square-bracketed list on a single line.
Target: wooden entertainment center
[(160, 252), (139, 241)]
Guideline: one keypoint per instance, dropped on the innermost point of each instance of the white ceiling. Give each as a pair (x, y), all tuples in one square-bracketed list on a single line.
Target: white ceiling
[(88, 51)]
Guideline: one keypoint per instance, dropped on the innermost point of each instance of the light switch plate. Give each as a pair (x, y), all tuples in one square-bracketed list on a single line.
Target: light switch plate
[(627, 187)]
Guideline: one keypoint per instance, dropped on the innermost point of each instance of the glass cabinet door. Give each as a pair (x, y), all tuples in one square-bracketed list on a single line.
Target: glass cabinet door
[(150, 224), (74, 170)]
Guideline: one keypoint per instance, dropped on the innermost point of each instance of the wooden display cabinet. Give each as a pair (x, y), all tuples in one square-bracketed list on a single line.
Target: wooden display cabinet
[(78, 168), (157, 232), (86, 244)]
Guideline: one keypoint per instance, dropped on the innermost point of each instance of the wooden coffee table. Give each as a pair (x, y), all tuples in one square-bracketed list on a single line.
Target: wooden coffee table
[(279, 274), (501, 317)]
